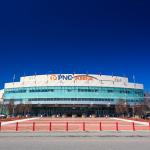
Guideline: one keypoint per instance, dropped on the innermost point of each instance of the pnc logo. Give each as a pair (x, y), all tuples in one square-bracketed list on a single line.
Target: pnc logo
[(55, 77)]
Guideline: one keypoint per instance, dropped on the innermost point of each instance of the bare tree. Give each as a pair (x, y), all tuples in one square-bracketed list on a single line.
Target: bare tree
[(19, 109), (147, 101), (23, 109), (1, 107), (143, 107), (146, 104), (27, 108), (11, 107), (121, 107), (139, 109)]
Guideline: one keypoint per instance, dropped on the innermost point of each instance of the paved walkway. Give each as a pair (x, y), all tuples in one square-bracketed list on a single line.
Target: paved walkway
[(126, 120), (20, 120)]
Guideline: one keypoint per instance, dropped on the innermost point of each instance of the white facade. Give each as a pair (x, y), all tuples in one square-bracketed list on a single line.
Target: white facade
[(1, 95), (74, 80)]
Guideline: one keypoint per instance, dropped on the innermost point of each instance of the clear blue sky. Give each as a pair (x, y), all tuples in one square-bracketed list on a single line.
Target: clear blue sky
[(44, 36)]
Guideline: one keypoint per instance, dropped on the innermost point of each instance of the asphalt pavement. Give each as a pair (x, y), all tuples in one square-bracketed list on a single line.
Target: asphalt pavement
[(75, 141)]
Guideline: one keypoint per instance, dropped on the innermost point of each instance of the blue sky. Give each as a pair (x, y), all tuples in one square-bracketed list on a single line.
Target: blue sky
[(44, 36)]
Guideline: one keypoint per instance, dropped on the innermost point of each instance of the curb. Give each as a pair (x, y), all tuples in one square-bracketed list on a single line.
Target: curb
[(76, 134)]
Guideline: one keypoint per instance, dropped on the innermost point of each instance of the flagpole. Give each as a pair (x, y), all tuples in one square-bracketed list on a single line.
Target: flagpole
[(14, 78), (134, 96)]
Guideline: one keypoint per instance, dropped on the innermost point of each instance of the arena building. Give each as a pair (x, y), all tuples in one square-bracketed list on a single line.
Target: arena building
[(72, 94)]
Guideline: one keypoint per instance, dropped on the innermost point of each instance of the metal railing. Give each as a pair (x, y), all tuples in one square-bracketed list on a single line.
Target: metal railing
[(70, 126)]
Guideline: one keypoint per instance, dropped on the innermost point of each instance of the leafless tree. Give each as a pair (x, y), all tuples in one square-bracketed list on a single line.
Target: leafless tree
[(147, 101), (139, 109), (1, 107), (11, 107), (23, 109), (19, 109), (143, 107), (122, 107), (27, 108)]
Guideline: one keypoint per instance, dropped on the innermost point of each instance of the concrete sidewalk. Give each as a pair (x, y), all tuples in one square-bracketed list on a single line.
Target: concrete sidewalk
[(19, 120), (77, 134)]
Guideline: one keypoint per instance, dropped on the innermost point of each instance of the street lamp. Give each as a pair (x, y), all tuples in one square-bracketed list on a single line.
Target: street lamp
[(133, 109), (108, 107)]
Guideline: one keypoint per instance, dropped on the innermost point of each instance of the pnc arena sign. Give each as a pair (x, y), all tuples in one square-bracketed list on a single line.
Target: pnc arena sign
[(54, 77)]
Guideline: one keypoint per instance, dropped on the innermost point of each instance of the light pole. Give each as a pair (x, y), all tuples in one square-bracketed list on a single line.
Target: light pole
[(134, 109), (14, 106), (108, 107)]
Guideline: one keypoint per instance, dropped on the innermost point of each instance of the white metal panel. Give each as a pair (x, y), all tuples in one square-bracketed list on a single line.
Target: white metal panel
[(1, 95), (96, 80)]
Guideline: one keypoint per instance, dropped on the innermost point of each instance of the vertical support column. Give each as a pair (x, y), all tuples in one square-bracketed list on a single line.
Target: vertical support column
[(0, 126)]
